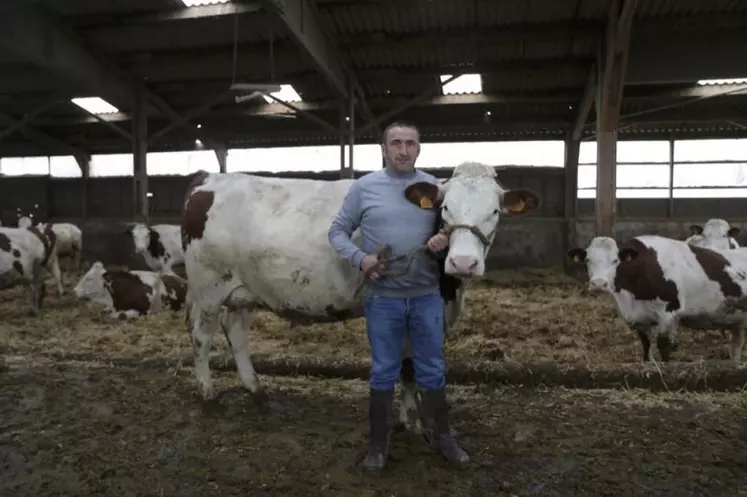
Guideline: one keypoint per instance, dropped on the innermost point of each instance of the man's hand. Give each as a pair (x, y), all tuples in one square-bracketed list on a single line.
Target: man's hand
[(438, 242), (368, 262)]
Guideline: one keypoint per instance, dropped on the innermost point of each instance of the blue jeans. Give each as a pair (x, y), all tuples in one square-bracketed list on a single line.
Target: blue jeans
[(387, 321)]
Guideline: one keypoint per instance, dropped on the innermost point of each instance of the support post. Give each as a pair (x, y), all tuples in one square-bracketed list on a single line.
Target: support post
[(670, 209), (351, 133), (84, 163), (572, 148), (221, 153), (342, 134), (140, 159), (613, 60)]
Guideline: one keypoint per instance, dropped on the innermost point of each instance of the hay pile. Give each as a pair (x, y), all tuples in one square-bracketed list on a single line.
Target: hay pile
[(516, 316)]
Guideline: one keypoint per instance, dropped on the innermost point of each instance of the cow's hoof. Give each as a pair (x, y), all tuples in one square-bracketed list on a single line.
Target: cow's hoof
[(261, 397)]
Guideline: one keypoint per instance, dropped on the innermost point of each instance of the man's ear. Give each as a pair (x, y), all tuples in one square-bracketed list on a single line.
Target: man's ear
[(425, 195)]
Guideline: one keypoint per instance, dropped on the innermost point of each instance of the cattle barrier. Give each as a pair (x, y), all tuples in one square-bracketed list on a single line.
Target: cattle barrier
[(702, 376)]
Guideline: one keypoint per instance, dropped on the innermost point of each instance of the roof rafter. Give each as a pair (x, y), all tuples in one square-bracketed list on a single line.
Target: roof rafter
[(34, 36)]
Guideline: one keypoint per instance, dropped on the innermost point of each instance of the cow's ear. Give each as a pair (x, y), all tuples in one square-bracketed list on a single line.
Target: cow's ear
[(733, 232), (520, 201), (628, 254), (577, 255), (696, 229), (425, 195)]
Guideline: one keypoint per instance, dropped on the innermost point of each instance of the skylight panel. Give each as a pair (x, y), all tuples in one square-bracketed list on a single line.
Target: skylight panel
[(466, 83), (95, 105)]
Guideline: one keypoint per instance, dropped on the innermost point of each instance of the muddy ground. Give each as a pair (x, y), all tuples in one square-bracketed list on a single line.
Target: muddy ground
[(86, 429), (89, 428)]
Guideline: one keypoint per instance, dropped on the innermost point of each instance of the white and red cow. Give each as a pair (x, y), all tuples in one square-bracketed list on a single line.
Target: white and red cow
[(69, 241), (69, 238), (659, 283), (131, 294), (716, 234), (256, 242), (160, 245), (24, 253)]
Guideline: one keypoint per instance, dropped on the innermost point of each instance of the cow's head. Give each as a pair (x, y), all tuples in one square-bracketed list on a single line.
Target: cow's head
[(716, 234), (91, 285), (141, 237), (602, 258), (471, 203), (25, 221)]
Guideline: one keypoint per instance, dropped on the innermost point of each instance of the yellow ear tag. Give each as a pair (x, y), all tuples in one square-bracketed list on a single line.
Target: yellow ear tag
[(425, 203), (576, 260), (519, 207)]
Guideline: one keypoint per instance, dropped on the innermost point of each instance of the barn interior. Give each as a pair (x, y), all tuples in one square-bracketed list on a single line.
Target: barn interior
[(549, 377)]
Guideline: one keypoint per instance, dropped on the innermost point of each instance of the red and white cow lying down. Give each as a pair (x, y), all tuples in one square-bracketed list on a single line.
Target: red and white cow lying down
[(24, 254), (716, 234), (131, 294), (69, 238), (160, 245), (256, 242), (660, 282)]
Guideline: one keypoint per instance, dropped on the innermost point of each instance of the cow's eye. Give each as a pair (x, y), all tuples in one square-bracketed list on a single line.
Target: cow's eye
[(495, 212), (446, 208)]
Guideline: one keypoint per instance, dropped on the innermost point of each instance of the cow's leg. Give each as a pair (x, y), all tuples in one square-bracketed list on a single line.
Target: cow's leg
[(644, 335), (54, 267), (666, 336), (202, 324), (76, 258), (36, 288), (235, 324), (410, 405), (737, 343)]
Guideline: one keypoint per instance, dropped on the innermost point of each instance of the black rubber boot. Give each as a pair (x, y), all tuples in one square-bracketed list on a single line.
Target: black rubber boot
[(438, 410), (379, 413)]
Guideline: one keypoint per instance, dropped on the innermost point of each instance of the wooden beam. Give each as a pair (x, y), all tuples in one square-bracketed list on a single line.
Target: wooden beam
[(584, 107), (613, 64)]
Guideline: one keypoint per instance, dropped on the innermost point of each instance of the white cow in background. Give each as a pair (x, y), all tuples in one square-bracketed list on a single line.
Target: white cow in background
[(69, 238), (24, 255), (160, 245), (715, 234), (131, 294)]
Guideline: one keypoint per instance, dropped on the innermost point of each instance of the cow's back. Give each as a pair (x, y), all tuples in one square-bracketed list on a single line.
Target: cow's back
[(271, 234), (704, 277), (20, 252)]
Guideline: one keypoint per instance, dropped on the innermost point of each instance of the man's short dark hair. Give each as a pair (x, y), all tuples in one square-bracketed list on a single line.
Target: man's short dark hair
[(398, 124)]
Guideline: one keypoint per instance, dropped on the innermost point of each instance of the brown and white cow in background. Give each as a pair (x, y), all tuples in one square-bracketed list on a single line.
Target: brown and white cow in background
[(131, 294), (69, 238), (716, 234), (659, 283), (160, 245), (255, 242), (24, 255)]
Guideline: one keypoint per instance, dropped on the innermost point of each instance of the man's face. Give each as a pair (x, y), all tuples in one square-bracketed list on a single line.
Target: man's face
[(401, 148)]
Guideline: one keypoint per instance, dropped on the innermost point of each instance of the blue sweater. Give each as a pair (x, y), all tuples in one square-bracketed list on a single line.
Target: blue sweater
[(377, 205)]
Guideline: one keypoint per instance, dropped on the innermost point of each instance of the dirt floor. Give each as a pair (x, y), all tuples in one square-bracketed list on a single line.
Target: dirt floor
[(88, 428)]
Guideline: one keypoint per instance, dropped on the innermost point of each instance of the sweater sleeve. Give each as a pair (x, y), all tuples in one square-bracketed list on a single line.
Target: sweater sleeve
[(345, 222)]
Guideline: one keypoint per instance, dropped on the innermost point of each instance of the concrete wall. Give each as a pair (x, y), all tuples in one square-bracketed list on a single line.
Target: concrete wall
[(536, 240)]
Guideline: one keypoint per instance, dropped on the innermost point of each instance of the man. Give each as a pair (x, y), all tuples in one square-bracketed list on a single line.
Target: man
[(396, 305)]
